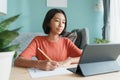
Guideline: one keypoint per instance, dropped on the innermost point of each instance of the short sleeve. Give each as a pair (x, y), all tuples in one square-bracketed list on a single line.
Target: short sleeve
[(30, 51), (73, 50)]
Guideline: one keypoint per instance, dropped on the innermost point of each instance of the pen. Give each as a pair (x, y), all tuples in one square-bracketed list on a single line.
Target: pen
[(44, 54)]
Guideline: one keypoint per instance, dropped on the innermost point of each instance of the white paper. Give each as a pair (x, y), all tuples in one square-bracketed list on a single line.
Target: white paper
[(35, 73), (56, 3)]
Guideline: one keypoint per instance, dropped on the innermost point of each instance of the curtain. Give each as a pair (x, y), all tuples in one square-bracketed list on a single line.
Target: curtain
[(115, 21), (106, 23)]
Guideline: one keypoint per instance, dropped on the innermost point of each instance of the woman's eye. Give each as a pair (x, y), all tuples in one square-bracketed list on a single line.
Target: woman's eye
[(63, 22), (57, 20)]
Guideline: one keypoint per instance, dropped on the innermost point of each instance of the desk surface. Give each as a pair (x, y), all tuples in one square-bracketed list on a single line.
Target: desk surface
[(22, 74)]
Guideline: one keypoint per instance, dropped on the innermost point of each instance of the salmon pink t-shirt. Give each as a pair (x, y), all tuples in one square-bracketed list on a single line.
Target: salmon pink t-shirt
[(58, 51)]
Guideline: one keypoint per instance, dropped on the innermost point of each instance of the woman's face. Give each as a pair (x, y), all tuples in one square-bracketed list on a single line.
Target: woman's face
[(57, 24)]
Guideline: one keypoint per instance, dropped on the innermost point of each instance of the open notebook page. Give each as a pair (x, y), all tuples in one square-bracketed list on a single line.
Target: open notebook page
[(35, 73)]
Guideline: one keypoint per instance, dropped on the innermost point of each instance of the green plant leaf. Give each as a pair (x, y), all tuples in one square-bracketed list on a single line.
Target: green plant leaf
[(5, 23), (98, 40), (11, 47), (17, 29), (6, 37), (15, 54)]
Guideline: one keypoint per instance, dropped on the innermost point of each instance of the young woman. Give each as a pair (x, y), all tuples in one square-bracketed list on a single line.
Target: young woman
[(60, 50)]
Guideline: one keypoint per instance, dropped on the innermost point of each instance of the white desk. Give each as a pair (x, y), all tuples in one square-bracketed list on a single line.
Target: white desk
[(22, 74)]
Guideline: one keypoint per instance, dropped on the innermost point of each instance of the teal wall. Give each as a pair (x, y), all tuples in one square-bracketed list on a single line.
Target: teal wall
[(80, 14)]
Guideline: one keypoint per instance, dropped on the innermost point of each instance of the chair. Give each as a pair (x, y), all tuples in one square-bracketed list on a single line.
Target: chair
[(82, 37)]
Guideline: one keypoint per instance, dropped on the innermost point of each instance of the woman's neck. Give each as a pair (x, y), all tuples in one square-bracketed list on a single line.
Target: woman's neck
[(53, 38)]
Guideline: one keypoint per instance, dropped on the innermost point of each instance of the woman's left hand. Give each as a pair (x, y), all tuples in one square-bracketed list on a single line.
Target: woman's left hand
[(65, 63)]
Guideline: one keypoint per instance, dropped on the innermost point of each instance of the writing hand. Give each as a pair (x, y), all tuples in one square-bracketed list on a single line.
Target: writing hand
[(47, 65)]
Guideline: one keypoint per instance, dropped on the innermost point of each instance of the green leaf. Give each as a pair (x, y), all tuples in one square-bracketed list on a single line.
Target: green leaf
[(5, 23), (11, 47), (17, 29), (15, 54), (6, 37), (98, 40)]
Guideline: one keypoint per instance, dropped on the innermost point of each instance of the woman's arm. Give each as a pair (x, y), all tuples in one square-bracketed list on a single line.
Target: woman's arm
[(69, 61), (39, 64), (22, 62)]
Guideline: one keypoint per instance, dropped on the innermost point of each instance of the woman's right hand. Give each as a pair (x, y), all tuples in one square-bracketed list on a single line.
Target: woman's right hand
[(46, 65)]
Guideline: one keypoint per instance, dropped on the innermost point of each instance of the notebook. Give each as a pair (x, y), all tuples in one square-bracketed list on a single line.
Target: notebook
[(98, 59)]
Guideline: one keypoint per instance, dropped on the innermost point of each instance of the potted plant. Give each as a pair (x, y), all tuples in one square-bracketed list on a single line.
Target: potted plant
[(7, 36), (7, 50), (98, 40)]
